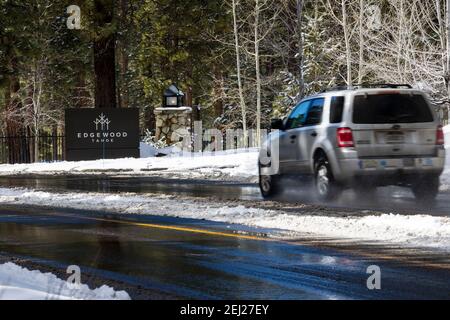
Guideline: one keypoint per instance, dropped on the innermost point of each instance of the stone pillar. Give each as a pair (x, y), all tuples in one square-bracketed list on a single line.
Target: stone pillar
[(168, 120)]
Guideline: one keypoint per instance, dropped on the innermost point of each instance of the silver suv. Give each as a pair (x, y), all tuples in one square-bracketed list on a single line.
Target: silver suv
[(362, 138)]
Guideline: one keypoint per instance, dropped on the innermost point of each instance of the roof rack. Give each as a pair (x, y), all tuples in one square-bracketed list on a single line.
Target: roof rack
[(338, 88), (369, 85), (384, 85)]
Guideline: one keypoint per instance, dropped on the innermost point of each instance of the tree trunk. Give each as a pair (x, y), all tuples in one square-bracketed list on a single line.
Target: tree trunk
[(238, 71), (123, 84), (55, 142), (14, 130), (189, 97), (14, 122), (104, 56), (10, 128), (258, 76), (347, 42), (218, 92), (81, 95), (300, 47), (33, 113), (361, 41), (122, 50), (400, 41)]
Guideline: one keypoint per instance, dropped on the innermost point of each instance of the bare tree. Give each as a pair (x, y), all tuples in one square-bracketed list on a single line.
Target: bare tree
[(299, 20), (347, 31), (238, 71), (361, 41)]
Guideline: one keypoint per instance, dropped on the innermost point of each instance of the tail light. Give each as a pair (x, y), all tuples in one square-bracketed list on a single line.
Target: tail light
[(439, 136), (345, 138)]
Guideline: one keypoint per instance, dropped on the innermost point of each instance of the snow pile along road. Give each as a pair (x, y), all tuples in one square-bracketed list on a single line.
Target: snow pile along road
[(237, 164), (17, 283), (413, 230)]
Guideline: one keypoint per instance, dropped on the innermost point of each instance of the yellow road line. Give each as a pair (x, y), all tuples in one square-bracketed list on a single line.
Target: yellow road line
[(383, 256), (182, 229), (327, 244)]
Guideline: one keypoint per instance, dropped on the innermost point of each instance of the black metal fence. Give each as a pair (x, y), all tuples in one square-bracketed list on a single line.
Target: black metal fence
[(48, 148), (27, 149)]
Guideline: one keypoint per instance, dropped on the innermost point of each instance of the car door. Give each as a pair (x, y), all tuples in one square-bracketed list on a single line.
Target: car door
[(289, 138), (308, 134)]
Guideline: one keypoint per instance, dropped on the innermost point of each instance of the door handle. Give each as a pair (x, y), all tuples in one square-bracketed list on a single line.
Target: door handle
[(314, 134), (293, 137)]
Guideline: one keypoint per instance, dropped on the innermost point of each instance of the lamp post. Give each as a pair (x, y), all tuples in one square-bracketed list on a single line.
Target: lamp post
[(173, 118), (173, 97)]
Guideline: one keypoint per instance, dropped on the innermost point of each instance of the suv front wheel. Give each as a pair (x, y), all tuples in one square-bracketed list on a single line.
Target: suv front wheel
[(269, 184), (325, 184)]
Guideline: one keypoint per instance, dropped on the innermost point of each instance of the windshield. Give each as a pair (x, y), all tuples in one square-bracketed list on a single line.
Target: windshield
[(391, 108)]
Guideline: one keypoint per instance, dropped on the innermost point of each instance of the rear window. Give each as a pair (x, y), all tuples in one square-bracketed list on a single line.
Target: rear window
[(391, 108), (336, 109)]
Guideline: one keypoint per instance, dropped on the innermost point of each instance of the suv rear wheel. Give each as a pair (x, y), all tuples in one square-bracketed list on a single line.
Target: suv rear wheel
[(269, 185), (325, 184), (426, 189)]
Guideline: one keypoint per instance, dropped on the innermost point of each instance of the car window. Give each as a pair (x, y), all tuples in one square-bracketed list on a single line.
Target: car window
[(391, 108), (298, 116), (314, 115), (336, 109)]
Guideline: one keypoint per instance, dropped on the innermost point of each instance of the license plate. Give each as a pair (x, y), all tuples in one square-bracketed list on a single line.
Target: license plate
[(370, 164), (427, 162), (395, 137)]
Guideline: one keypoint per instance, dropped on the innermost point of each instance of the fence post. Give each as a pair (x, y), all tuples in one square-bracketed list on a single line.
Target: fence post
[(55, 143)]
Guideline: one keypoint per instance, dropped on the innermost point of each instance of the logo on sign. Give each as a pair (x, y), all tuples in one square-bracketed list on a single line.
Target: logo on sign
[(102, 133), (103, 122)]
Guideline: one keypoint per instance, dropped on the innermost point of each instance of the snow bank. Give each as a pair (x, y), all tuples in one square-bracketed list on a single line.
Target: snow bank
[(17, 283), (147, 150), (414, 230), (239, 164)]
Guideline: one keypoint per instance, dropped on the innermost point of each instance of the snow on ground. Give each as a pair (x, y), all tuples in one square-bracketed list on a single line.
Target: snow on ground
[(237, 164), (414, 230), (17, 283)]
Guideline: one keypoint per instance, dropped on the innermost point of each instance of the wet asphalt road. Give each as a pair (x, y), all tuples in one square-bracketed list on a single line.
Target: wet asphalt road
[(389, 199), (170, 260), (185, 258)]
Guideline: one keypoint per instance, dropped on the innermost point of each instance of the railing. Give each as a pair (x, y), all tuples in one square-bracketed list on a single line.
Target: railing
[(27, 149), (49, 148)]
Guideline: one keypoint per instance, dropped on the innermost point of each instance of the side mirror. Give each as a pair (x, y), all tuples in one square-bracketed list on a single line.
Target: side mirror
[(277, 124)]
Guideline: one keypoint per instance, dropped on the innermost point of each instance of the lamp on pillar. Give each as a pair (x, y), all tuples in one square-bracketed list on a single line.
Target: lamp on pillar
[(173, 118), (173, 97)]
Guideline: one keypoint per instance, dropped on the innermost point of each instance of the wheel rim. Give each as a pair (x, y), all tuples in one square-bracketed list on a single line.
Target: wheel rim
[(323, 182), (266, 183)]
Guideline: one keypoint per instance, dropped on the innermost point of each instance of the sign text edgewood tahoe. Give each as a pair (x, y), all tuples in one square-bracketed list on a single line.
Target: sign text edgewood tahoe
[(101, 133)]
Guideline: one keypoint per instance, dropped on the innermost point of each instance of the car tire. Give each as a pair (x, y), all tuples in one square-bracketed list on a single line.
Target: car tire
[(269, 185), (426, 189), (326, 186)]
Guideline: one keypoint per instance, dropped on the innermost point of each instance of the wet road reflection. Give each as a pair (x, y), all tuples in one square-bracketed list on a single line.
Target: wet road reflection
[(200, 266), (396, 199)]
